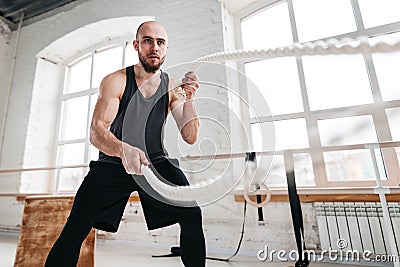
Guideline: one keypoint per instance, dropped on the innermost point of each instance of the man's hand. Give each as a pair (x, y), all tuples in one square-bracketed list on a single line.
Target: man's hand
[(133, 158), (190, 84)]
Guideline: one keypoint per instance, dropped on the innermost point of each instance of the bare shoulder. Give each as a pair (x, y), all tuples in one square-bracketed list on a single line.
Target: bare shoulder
[(113, 84)]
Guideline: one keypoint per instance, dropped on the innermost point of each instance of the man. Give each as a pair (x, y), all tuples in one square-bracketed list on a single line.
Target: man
[(142, 93)]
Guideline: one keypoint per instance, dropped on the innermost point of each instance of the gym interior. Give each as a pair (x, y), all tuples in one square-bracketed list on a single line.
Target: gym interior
[(320, 123)]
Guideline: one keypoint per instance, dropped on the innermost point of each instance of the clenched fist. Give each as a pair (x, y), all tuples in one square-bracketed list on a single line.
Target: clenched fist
[(133, 158), (190, 84)]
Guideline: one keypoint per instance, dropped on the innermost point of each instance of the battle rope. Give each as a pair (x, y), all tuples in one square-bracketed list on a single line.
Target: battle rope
[(329, 47)]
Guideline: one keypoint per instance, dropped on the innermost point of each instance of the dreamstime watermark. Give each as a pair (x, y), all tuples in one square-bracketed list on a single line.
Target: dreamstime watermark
[(340, 254)]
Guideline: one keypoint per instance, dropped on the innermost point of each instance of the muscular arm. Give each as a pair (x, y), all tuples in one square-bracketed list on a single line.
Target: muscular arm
[(105, 111), (184, 112), (111, 89)]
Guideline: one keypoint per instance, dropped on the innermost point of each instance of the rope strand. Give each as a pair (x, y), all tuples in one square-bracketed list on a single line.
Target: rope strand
[(329, 47)]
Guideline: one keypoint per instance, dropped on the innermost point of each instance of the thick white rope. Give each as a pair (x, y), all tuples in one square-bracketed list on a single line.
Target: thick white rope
[(180, 193), (196, 191), (330, 47)]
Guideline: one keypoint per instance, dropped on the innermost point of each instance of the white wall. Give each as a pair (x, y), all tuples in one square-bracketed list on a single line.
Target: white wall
[(222, 222), (195, 29), (10, 209), (6, 55), (6, 50)]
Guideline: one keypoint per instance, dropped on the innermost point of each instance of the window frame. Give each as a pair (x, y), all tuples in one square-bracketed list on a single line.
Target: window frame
[(312, 116), (90, 92)]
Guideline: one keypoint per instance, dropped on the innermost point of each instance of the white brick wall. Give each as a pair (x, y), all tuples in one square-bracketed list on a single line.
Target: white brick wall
[(222, 224), (10, 213), (11, 183), (6, 52)]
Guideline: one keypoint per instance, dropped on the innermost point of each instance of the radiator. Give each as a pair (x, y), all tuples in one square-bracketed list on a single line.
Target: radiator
[(359, 224)]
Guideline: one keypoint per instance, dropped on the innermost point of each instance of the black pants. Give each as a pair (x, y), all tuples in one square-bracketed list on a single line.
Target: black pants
[(100, 203)]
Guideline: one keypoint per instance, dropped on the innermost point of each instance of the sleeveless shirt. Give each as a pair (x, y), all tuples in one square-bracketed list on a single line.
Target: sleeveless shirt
[(139, 121)]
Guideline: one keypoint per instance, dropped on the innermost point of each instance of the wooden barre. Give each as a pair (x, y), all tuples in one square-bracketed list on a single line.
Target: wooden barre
[(366, 197), (275, 197), (388, 144), (309, 198)]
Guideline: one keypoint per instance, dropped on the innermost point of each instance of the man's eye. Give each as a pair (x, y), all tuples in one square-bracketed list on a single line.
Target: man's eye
[(160, 42)]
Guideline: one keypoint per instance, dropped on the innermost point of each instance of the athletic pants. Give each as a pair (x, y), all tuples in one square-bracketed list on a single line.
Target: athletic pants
[(101, 200)]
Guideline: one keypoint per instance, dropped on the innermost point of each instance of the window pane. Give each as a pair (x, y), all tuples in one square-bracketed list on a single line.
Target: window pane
[(263, 135), (376, 13), (131, 57), (398, 155), (106, 62), (351, 165), (277, 175), (94, 153), (71, 154), (74, 119), (268, 28), (284, 137), (336, 81), (276, 79), (93, 101), (70, 179), (392, 160), (387, 67), (347, 131), (291, 134), (317, 19), (303, 170), (393, 115), (79, 76)]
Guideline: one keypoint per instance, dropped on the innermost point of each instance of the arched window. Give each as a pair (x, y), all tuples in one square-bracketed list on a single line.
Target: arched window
[(79, 95), (329, 106)]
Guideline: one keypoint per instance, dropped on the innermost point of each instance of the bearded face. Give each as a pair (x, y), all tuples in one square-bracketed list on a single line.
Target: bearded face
[(152, 62), (151, 44)]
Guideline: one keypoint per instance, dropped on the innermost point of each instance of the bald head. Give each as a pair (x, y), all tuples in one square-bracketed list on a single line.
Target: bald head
[(150, 25)]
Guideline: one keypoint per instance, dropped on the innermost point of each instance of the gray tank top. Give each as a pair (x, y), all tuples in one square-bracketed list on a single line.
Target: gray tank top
[(139, 121)]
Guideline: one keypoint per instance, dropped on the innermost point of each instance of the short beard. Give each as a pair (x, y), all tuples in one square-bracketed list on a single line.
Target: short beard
[(150, 68)]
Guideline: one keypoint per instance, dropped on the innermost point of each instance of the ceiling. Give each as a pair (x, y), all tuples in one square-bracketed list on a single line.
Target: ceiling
[(11, 10)]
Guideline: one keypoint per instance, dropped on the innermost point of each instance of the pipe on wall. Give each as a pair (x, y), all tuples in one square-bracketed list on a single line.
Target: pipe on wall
[(10, 84)]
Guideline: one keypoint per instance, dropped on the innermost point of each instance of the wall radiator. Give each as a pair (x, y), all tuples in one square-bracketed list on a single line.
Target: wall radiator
[(360, 224)]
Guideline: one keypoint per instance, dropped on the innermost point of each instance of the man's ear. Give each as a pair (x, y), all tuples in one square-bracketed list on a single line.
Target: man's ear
[(135, 45)]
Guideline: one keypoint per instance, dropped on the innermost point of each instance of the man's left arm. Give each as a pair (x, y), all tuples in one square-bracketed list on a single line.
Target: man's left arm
[(184, 111)]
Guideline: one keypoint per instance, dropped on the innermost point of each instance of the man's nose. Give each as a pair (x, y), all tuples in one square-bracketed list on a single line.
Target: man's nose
[(155, 46)]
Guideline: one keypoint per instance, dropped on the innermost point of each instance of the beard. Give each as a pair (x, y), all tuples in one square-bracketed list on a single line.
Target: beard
[(149, 68)]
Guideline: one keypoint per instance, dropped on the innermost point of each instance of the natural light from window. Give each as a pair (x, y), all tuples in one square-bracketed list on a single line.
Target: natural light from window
[(83, 77), (330, 101)]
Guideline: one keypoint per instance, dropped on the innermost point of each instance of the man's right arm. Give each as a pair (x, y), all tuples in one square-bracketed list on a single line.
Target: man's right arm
[(105, 111)]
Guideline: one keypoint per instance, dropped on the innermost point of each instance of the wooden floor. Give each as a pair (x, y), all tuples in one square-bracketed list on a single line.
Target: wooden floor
[(122, 253)]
